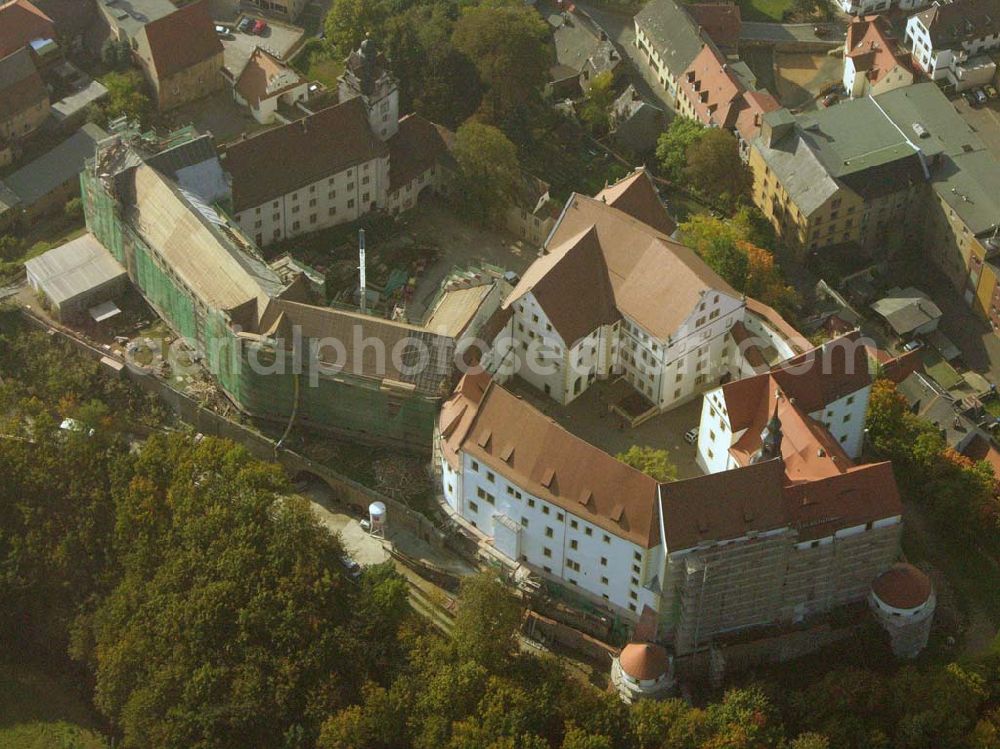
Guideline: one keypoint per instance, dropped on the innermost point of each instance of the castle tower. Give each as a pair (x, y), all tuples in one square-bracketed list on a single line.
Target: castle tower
[(902, 600), (367, 75)]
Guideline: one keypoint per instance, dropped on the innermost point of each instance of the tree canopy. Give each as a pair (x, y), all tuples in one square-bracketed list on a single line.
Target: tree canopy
[(488, 171), (651, 461)]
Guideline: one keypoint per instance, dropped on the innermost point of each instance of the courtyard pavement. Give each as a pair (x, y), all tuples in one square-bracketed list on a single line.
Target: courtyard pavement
[(590, 418)]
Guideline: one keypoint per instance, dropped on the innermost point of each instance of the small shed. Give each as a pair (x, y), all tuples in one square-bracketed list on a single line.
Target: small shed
[(76, 277), (909, 312)]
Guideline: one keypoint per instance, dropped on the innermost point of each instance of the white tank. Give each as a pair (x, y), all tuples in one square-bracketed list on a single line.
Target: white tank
[(376, 516)]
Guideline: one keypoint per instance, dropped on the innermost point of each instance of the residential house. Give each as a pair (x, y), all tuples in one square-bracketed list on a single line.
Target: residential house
[(847, 174), (792, 529), (908, 312), (583, 51), (265, 83), (181, 56), (750, 117), (44, 185), (709, 92), (635, 124), (669, 39), (872, 63), (124, 19), (949, 41), (340, 163), (584, 312), (24, 100), (532, 213), (721, 22), (21, 23)]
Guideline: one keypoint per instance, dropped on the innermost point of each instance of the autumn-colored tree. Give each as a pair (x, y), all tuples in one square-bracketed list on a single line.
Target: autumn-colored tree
[(715, 169), (651, 461)]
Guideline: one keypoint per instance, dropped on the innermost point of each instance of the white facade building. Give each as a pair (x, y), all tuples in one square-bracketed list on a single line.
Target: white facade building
[(948, 41)]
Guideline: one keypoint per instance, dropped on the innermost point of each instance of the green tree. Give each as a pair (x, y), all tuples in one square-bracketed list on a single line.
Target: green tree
[(810, 741), (673, 144), (485, 630), (715, 169), (651, 461), (348, 21), (73, 209), (508, 43), (487, 171), (596, 106), (224, 629), (126, 97), (116, 54)]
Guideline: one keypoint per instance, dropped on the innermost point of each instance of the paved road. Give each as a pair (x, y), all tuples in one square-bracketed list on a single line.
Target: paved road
[(621, 30), (798, 33)]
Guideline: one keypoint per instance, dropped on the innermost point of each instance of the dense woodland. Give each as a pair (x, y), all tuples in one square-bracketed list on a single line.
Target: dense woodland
[(202, 605)]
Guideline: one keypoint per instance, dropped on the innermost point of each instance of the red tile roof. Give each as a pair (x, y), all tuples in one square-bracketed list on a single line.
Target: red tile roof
[(418, 145), (752, 108), (182, 39), (711, 89), (284, 159), (258, 79), (21, 87), (871, 45), (721, 21), (20, 24), (636, 195), (828, 372), (903, 586)]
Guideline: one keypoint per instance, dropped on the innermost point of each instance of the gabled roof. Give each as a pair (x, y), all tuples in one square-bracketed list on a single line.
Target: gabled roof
[(724, 505), (711, 89), (418, 145), (265, 76), (825, 374), (636, 195), (517, 441), (656, 281), (21, 87), (722, 22), (673, 33), (281, 160), (20, 24), (61, 164), (752, 108), (182, 39), (571, 284), (950, 24), (871, 45)]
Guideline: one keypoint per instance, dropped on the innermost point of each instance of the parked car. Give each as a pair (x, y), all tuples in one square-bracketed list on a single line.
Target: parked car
[(830, 99), (991, 92), (352, 568), (980, 96), (365, 525), (691, 435), (912, 345), (245, 25), (260, 27), (969, 97), (223, 31)]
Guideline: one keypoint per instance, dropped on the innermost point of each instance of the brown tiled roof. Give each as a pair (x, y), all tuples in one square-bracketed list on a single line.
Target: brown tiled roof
[(495, 323), (283, 159), (20, 24), (723, 505), (21, 86), (417, 146), (636, 195), (826, 373), (751, 351), (182, 39), (795, 339), (258, 74), (458, 413), (711, 89), (860, 495), (752, 108), (871, 45), (571, 284), (559, 467), (655, 281), (644, 661), (722, 22), (903, 586), (980, 448)]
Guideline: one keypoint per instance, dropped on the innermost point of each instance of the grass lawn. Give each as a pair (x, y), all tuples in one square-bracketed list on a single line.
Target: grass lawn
[(764, 10), (940, 370), (316, 63), (40, 712)]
